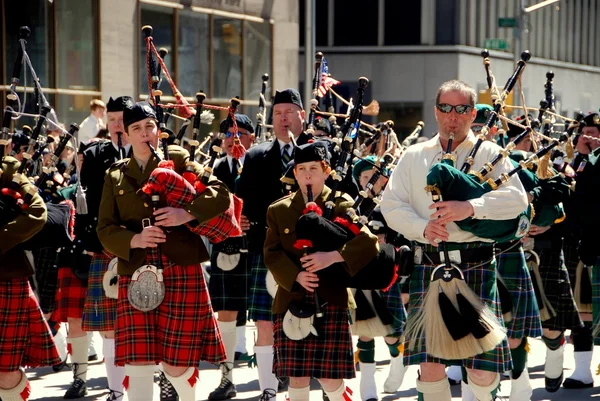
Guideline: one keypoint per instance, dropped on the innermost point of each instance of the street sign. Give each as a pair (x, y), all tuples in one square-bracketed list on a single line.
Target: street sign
[(496, 44), (507, 22)]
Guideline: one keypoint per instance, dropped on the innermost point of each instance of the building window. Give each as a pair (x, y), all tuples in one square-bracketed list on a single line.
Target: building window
[(445, 22), (227, 57), (321, 21), (193, 52), (356, 23), (407, 31), (161, 21)]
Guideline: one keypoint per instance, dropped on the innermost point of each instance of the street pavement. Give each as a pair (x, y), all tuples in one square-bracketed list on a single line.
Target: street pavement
[(49, 386)]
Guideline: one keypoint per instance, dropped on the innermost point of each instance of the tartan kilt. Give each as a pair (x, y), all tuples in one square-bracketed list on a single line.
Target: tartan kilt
[(596, 301), (229, 289), (182, 331), (70, 296), (260, 302), (512, 267), (482, 280), (328, 356), (46, 277), (557, 286), (99, 311), (25, 338)]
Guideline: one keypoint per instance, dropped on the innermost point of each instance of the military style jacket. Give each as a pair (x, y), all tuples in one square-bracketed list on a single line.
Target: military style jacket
[(13, 260), (122, 210), (283, 260)]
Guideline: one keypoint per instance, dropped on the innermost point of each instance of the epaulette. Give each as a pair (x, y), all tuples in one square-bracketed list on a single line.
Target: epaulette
[(284, 197), (121, 164)]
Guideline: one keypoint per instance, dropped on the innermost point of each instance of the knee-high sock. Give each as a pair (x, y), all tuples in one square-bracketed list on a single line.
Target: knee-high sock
[(240, 345), (264, 360), (485, 393), (139, 382), (78, 348), (228, 334), (20, 392), (434, 391), (114, 374), (555, 351), (342, 393), (91, 343), (519, 357), (299, 394), (185, 385)]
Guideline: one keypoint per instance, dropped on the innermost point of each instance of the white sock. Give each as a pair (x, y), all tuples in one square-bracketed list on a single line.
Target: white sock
[(114, 374), (61, 344), (553, 367), (299, 394), (139, 382), (264, 360), (240, 346), (340, 393), (91, 344), (14, 394), (583, 372), (78, 348), (368, 387), (185, 385), (228, 334), (484, 393), (435, 391), (467, 393)]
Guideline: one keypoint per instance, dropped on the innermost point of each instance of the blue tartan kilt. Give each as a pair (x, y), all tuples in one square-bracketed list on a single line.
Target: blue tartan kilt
[(481, 278), (99, 311), (260, 303), (513, 269), (229, 289)]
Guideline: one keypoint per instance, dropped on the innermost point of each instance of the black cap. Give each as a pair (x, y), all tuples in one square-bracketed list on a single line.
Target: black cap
[(119, 103), (288, 96), (322, 124), (312, 152), (137, 112), (242, 120), (592, 120)]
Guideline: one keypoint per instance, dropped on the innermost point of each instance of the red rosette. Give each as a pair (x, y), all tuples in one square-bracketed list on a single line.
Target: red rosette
[(301, 243), (350, 226), (312, 207)]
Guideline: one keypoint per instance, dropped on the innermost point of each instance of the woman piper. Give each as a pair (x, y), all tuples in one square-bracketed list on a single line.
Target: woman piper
[(182, 330), (328, 356)]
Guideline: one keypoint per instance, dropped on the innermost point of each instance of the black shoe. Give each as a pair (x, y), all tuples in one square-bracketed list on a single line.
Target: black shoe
[(573, 384), (284, 382), (552, 385), (77, 390), (92, 358), (225, 390), (114, 395), (325, 396), (244, 357), (167, 391), (268, 394)]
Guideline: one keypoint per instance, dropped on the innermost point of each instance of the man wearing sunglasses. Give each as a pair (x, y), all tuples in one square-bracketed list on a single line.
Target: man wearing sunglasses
[(409, 210)]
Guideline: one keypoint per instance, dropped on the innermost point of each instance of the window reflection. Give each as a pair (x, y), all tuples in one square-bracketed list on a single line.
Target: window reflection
[(193, 52), (257, 57), (227, 42), (161, 20)]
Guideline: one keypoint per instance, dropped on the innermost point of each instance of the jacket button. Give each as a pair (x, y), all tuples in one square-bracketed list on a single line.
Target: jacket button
[(287, 231), (145, 204), (121, 192)]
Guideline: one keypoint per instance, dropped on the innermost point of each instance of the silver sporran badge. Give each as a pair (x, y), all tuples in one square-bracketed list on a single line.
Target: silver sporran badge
[(146, 290)]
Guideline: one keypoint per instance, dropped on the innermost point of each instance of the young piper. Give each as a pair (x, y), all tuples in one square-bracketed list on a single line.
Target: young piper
[(328, 356)]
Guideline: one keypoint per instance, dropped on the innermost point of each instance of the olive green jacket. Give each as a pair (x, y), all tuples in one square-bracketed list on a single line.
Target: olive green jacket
[(13, 261), (122, 211), (283, 260)]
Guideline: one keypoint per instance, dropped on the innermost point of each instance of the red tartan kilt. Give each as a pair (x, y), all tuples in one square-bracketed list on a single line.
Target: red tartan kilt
[(182, 331), (25, 338), (224, 225), (70, 297)]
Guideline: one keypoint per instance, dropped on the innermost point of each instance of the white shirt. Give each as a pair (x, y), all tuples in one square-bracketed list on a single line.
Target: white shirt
[(88, 129), (230, 162), (405, 203)]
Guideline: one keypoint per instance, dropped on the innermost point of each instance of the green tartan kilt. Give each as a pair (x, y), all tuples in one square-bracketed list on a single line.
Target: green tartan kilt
[(260, 302), (482, 280), (513, 269), (596, 301)]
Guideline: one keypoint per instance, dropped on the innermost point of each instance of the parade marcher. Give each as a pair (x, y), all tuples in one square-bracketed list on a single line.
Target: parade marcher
[(229, 278), (181, 331), (99, 310), (26, 340), (259, 185), (409, 209), (89, 127), (328, 356), (375, 321)]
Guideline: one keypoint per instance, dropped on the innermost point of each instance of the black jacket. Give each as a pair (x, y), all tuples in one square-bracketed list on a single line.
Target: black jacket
[(222, 170)]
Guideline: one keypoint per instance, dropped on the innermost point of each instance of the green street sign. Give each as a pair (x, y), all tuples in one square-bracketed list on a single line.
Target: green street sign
[(496, 44), (507, 22)]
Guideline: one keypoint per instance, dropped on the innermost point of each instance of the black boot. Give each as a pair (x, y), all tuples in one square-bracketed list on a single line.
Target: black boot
[(226, 389), (114, 395), (78, 388), (167, 391)]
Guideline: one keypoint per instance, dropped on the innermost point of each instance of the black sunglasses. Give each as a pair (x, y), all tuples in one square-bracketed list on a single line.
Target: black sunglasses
[(459, 108), (229, 134), (476, 128)]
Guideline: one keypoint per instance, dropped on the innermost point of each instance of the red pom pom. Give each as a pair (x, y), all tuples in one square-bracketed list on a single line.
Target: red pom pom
[(170, 164), (190, 177), (313, 207), (349, 225), (301, 243), (238, 151), (199, 187), (10, 192)]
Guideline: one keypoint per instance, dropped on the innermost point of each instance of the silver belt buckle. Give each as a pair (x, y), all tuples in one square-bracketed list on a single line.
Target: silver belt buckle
[(146, 223), (454, 257)]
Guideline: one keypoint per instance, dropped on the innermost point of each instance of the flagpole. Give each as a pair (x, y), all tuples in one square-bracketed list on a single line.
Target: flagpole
[(309, 49)]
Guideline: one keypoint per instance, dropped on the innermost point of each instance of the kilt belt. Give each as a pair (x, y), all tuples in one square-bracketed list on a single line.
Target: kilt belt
[(424, 254)]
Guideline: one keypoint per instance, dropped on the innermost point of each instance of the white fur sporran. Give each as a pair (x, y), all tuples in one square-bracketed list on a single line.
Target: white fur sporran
[(110, 280), (271, 284), (146, 290), (227, 262), (298, 328)]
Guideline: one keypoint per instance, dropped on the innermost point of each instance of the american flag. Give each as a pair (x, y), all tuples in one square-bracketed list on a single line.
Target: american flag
[(327, 81)]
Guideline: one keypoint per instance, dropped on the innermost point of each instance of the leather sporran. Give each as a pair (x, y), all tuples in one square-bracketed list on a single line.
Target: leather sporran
[(146, 290), (298, 322), (110, 280)]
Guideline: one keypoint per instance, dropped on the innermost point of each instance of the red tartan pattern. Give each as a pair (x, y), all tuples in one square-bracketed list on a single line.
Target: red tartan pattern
[(25, 338), (182, 331), (99, 311), (70, 296), (179, 192), (328, 356)]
